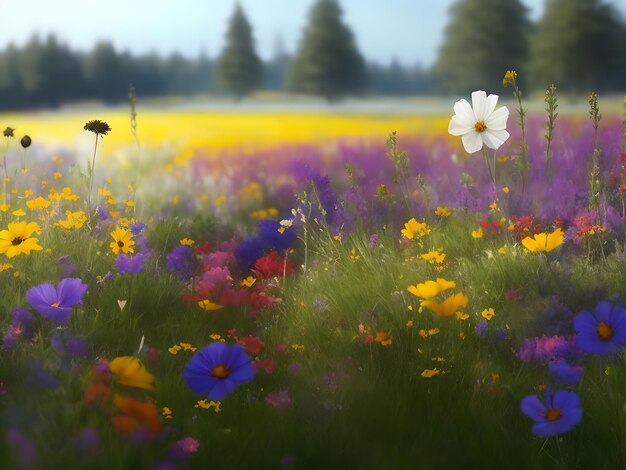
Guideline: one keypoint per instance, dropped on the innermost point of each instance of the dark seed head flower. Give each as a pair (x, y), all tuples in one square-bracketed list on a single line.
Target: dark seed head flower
[(97, 127), (8, 132), (26, 141)]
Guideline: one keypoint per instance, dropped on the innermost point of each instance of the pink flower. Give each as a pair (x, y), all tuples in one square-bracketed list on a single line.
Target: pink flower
[(278, 399)]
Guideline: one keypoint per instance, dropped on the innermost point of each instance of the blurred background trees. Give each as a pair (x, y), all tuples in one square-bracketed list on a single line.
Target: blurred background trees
[(328, 62), (580, 45), (239, 69), (483, 39)]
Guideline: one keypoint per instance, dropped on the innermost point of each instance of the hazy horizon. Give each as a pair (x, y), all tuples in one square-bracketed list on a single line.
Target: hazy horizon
[(409, 30)]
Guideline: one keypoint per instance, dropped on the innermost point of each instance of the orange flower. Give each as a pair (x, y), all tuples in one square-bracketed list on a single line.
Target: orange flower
[(135, 414)]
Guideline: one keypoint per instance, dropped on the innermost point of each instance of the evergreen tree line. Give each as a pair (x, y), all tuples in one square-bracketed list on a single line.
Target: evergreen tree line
[(579, 45)]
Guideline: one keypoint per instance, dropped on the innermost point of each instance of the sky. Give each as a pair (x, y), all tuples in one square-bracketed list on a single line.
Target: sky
[(409, 30)]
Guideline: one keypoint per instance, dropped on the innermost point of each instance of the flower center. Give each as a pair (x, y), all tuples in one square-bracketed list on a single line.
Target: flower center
[(17, 241), (480, 126), (120, 243), (55, 305), (604, 331), (553, 414), (220, 372)]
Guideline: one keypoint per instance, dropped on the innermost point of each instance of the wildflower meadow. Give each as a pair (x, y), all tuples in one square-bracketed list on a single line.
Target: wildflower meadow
[(198, 290)]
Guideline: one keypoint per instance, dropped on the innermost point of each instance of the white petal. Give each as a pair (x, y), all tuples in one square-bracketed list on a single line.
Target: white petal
[(479, 100), (472, 142), (494, 139), (458, 126), (464, 112), (492, 101), (497, 120)]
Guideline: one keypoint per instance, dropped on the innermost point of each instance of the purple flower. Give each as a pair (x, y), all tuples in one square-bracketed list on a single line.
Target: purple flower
[(249, 251), (481, 328), (21, 327), (276, 235), (565, 373), (57, 303), (181, 261), (602, 331), (24, 450), (131, 264), (40, 377), (218, 369), (67, 268), (103, 213), (557, 415), (136, 228), (183, 449), (87, 441), (548, 348)]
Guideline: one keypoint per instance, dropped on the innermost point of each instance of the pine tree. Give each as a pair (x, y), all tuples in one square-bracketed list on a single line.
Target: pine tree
[(483, 39), (238, 69), (328, 62), (577, 47)]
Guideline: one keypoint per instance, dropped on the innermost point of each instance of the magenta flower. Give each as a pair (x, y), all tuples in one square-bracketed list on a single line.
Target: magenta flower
[(560, 413), (57, 303)]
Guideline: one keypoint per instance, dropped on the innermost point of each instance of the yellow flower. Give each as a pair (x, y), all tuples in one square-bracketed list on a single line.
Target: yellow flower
[(19, 213), (434, 256), (461, 316), (209, 306), (413, 228), (188, 347), (442, 211), (18, 239), (297, 347), (207, 405), (449, 306), (131, 372), (187, 241), (430, 332), (248, 282), (544, 242), (28, 192), (477, 233), (430, 289), (5, 266), (167, 413), (219, 200), (174, 349), (509, 78), (353, 255), (429, 373), (74, 220), (505, 190), (488, 313), (409, 324), (37, 203), (383, 338), (57, 175), (123, 241)]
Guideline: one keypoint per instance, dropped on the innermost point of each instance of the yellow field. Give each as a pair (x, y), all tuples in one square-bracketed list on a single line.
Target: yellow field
[(214, 131)]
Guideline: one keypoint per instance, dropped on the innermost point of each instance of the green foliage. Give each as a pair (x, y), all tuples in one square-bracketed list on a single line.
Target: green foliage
[(328, 62), (573, 42), (239, 70), (483, 39)]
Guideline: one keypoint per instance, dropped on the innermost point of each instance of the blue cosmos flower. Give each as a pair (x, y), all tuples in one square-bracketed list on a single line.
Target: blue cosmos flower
[(181, 261), (557, 415), (57, 303), (218, 369), (565, 373), (602, 331), (276, 235)]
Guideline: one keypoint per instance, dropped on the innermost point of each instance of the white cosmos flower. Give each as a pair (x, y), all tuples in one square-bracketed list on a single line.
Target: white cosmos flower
[(480, 123)]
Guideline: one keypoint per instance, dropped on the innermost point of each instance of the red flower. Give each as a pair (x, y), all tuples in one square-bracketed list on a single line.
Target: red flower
[(267, 365), (204, 249), (252, 344), (272, 266)]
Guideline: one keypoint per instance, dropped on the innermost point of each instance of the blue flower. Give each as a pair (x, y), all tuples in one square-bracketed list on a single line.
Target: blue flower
[(57, 303), (276, 235), (249, 251), (557, 415), (131, 264), (218, 369), (181, 261), (602, 331), (565, 373)]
